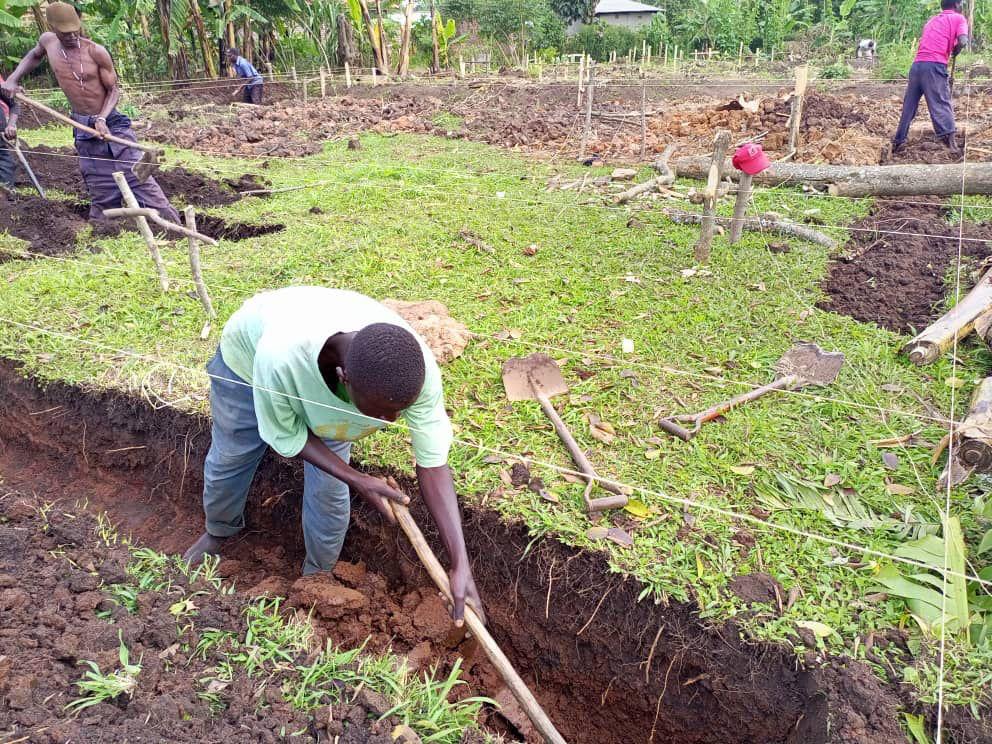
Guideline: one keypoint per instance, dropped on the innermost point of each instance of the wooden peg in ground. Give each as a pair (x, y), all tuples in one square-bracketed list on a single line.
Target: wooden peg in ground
[(708, 222), (194, 266), (146, 232)]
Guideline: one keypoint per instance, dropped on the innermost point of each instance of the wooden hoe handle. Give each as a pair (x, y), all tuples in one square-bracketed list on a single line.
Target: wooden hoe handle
[(728, 405), (517, 686), (82, 127)]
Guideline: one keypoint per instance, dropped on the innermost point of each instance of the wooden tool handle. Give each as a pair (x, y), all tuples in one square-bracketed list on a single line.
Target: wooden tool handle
[(82, 127), (517, 686), (728, 405), (573, 447), (677, 431)]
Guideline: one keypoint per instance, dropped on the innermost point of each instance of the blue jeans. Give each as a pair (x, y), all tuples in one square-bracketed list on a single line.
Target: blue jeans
[(235, 452), (932, 81)]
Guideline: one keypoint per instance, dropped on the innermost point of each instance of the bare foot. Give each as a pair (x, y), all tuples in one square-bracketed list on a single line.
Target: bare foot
[(207, 544)]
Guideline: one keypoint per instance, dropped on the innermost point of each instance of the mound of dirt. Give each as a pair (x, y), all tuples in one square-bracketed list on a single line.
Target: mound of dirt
[(55, 575), (49, 226), (900, 281), (445, 336), (57, 169)]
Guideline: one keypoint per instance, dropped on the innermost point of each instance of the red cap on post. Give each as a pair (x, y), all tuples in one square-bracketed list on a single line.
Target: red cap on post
[(750, 158)]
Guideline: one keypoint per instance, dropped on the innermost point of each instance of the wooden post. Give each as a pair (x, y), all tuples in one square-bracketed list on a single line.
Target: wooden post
[(648, 57), (303, 87), (590, 92), (720, 145), (146, 232), (744, 189), (293, 72), (644, 120), (461, 66), (795, 118), (347, 75), (665, 62), (644, 49), (582, 62), (323, 83), (375, 76), (194, 266), (740, 56)]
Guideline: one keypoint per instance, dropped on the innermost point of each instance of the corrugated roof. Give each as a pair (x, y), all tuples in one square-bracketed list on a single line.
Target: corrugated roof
[(624, 6)]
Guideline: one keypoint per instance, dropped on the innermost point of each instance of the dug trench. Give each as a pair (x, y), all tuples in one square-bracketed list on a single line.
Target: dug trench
[(606, 667)]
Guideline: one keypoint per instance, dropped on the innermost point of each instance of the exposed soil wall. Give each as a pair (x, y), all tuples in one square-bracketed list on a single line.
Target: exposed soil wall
[(606, 667)]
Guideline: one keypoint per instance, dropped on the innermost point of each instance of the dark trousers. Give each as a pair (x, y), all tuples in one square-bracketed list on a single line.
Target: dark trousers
[(6, 158), (928, 80), (253, 94)]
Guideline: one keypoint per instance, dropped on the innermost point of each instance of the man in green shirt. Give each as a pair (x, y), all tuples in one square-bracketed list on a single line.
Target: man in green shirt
[(307, 371)]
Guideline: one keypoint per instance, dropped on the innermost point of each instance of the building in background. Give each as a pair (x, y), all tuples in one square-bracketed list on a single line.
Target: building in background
[(626, 13)]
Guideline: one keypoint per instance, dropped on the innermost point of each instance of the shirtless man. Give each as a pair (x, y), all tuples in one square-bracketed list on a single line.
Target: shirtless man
[(85, 73)]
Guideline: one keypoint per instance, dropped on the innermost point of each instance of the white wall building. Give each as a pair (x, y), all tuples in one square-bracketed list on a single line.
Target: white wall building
[(627, 13)]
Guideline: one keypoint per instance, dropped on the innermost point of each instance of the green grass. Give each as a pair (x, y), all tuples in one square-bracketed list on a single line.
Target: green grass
[(389, 227)]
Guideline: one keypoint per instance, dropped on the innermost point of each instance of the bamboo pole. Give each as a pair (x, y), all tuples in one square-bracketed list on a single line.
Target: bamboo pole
[(323, 83), (347, 75), (708, 223), (956, 323), (582, 62), (744, 189), (197, 272), (438, 575), (146, 232), (461, 66)]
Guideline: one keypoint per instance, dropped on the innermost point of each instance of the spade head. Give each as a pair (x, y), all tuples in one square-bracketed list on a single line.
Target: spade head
[(149, 162), (811, 364), (525, 377)]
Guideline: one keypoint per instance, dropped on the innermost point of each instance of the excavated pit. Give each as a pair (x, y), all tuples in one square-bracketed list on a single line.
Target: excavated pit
[(606, 667)]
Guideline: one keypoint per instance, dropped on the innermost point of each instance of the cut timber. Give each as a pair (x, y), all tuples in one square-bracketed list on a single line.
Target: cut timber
[(956, 323), (758, 224), (974, 449), (127, 196), (863, 180), (740, 207), (714, 176), (667, 178)]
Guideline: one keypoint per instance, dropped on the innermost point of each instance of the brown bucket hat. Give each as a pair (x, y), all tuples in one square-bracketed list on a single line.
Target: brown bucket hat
[(63, 18)]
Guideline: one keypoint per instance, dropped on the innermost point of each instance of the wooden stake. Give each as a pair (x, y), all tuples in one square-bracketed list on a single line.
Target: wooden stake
[(720, 145), (375, 77), (587, 129), (795, 118), (437, 573), (582, 62), (323, 83), (461, 66), (303, 87), (744, 189), (347, 75), (644, 120), (648, 58), (146, 232), (293, 72), (194, 266), (740, 56), (153, 215)]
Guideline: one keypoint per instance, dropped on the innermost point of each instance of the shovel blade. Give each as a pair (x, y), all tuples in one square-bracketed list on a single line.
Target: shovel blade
[(524, 377), (811, 364), (148, 164)]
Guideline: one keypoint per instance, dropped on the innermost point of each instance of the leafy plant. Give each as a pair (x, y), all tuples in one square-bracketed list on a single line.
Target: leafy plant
[(839, 70), (98, 687)]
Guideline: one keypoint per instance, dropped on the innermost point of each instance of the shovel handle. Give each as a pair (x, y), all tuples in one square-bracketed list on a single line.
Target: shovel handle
[(437, 573), (573, 447), (678, 431), (82, 127), (719, 409)]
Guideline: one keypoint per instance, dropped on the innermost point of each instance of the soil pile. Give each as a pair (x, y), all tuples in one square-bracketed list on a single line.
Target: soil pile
[(55, 592), (900, 281), (57, 169), (48, 226)]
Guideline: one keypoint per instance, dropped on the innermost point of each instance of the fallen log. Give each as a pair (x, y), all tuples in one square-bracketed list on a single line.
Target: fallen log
[(974, 448), (667, 178), (862, 180), (956, 323), (758, 224)]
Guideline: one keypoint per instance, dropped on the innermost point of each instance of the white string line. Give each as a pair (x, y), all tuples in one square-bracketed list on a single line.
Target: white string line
[(686, 503), (950, 454), (722, 381), (534, 202)]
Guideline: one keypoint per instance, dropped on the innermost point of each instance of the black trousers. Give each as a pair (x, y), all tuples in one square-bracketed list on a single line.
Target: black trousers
[(6, 157), (253, 94)]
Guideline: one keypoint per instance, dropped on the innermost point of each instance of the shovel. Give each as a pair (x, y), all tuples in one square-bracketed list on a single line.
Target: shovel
[(803, 365), (150, 161), (16, 147), (537, 377)]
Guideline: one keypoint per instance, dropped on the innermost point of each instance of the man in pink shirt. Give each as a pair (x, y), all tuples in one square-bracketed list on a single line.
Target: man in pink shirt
[(943, 37)]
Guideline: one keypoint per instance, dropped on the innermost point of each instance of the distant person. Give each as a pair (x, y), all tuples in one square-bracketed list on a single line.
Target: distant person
[(255, 84), (85, 73), (9, 110), (866, 49), (944, 36)]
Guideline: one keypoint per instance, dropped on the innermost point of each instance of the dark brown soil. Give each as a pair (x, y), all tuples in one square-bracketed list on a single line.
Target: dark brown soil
[(217, 228), (56, 168), (607, 667), (54, 574), (900, 281), (49, 226)]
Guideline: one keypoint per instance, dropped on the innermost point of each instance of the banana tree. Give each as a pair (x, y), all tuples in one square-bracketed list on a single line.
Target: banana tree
[(15, 39)]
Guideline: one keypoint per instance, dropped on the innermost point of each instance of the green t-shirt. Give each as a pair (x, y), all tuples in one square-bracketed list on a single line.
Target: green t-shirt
[(273, 341)]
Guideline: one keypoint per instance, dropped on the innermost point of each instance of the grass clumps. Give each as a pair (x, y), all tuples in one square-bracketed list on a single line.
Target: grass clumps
[(97, 687)]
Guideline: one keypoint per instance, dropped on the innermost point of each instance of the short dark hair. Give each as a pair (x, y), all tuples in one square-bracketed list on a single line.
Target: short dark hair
[(234, 51), (949, 4), (386, 362)]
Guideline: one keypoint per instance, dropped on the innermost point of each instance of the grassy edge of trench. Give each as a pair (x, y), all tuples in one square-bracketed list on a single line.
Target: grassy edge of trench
[(852, 464)]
